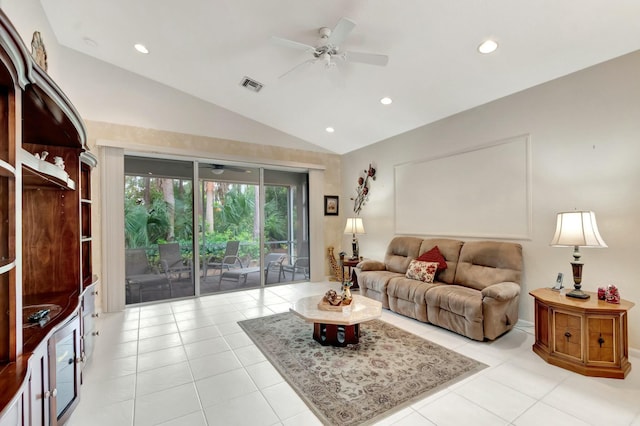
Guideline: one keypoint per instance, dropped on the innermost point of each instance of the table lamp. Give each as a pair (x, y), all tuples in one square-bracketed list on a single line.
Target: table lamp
[(577, 229), (354, 226)]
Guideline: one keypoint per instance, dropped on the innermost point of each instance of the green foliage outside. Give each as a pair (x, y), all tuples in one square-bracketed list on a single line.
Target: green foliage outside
[(148, 218)]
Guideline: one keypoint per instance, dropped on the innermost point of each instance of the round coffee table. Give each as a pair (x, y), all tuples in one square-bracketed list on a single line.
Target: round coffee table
[(334, 327)]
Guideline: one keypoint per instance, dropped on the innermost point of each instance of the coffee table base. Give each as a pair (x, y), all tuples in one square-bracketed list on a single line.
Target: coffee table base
[(336, 335)]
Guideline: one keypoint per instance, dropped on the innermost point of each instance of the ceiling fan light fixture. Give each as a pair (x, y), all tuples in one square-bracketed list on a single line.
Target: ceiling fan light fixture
[(141, 48), (488, 46), (386, 100), (217, 171), (330, 129)]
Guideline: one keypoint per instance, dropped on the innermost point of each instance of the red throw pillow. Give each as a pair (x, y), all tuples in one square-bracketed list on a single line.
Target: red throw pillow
[(434, 255)]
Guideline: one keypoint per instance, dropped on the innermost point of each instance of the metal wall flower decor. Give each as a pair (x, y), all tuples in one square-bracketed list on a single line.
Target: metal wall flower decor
[(362, 190)]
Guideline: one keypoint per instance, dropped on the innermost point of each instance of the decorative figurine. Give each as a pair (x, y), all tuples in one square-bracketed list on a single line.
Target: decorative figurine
[(612, 294), (333, 297), (58, 161), (38, 51), (346, 293), (41, 156)]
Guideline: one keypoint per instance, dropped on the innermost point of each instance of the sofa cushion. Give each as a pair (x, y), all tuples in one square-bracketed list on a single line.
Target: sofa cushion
[(456, 308), (434, 255), (371, 265), (373, 284), (407, 297), (422, 271), (400, 252), (483, 263)]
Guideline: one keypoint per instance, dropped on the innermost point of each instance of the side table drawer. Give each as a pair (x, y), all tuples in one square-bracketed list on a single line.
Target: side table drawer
[(602, 344), (567, 330)]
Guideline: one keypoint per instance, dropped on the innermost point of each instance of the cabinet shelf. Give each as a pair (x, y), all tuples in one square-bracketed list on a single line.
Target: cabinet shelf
[(39, 173), (7, 169), (6, 265)]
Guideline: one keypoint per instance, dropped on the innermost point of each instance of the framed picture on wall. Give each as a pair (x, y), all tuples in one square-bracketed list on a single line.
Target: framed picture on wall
[(331, 203)]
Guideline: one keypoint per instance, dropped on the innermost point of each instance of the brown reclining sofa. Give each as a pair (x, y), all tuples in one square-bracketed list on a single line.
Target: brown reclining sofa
[(476, 295)]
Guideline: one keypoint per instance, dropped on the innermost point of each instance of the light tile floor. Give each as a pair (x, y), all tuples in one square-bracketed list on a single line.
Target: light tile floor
[(188, 363)]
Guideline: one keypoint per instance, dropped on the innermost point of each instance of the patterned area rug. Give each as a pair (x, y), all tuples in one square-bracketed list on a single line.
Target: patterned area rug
[(358, 384)]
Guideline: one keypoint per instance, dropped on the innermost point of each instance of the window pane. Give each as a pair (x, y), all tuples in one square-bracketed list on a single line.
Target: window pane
[(158, 229)]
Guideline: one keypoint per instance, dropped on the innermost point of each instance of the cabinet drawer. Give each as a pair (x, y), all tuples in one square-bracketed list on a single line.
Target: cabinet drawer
[(567, 338), (601, 340)]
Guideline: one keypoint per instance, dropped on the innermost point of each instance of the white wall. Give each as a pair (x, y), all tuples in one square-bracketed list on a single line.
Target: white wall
[(585, 136)]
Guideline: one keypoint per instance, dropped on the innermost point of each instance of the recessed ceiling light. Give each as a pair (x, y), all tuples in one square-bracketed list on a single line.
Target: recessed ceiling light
[(330, 129), (141, 48), (386, 100), (488, 46)]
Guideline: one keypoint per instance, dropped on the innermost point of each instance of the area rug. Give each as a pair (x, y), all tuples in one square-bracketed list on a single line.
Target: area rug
[(358, 384)]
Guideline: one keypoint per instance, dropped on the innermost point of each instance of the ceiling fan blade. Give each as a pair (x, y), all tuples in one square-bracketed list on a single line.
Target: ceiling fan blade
[(299, 67), (292, 44), (367, 58), (341, 31)]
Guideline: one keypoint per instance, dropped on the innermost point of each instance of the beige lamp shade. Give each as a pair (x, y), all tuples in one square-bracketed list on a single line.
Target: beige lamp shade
[(577, 228), (354, 226)]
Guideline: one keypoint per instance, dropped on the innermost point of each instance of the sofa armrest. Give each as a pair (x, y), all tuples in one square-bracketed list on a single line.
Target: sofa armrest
[(502, 291), (371, 265)]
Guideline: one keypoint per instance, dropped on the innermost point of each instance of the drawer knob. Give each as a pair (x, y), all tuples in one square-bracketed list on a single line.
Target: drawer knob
[(600, 340), (567, 335)]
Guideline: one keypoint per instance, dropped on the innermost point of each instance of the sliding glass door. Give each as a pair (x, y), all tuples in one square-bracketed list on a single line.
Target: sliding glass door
[(239, 216), (229, 227), (251, 228), (286, 226), (158, 231)]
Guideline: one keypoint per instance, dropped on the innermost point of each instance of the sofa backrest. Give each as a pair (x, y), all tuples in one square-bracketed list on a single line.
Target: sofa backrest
[(450, 249), (483, 263), (400, 252)]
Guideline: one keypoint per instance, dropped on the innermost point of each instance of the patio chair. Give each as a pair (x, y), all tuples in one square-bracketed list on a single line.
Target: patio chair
[(228, 261), (296, 264), (171, 260), (273, 262), (141, 277)]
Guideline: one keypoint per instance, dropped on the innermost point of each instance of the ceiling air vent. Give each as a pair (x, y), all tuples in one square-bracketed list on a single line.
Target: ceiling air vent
[(250, 84)]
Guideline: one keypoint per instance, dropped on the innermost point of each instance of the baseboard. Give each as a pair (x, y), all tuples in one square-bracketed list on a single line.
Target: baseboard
[(526, 326)]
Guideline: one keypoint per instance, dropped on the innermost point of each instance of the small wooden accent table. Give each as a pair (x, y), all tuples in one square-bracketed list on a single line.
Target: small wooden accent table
[(334, 327), (587, 336), (350, 263)]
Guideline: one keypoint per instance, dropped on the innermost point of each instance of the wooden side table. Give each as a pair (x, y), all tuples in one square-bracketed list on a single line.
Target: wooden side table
[(587, 336), (350, 263)]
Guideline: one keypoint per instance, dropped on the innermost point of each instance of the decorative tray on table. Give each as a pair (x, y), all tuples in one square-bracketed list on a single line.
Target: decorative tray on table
[(333, 301)]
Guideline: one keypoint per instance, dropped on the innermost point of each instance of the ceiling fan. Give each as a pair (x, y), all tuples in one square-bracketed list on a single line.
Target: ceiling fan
[(218, 169), (327, 49)]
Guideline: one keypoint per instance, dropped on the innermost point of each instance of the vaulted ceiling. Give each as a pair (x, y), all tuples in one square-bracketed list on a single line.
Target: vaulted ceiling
[(206, 47)]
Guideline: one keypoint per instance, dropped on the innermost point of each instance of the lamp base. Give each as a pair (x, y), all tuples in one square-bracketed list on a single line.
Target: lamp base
[(577, 294)]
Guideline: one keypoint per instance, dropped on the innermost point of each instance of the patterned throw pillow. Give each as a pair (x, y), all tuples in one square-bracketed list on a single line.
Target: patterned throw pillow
[(434, 255), (422, 271)]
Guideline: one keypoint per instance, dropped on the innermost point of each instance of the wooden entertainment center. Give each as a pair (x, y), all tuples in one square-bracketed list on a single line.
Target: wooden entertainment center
[(48, 290)]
